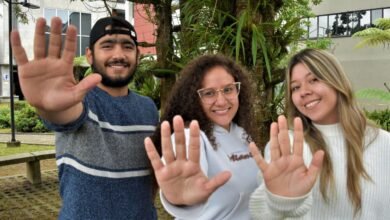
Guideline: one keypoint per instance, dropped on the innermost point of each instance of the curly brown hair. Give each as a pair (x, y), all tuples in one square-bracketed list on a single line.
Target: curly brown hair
[(185, 101)]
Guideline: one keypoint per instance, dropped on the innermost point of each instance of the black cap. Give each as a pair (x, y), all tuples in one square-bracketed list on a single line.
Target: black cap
[(111, 25)]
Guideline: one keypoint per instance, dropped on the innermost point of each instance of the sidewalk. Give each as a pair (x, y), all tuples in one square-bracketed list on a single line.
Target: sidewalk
[(21, 200), (29, 138)]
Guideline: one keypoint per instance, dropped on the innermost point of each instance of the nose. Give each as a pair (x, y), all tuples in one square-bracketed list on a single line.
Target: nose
[(221, 99), (118, 52)]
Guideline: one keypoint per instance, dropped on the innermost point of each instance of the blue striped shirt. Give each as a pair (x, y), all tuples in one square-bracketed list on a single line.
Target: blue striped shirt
[(104, 171)]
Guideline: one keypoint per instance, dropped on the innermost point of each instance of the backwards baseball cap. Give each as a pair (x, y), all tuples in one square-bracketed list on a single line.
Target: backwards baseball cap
[(111, 25)]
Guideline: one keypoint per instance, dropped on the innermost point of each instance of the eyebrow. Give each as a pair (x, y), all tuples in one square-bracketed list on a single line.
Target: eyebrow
[(120, 41), (307, 74), (219, 87)]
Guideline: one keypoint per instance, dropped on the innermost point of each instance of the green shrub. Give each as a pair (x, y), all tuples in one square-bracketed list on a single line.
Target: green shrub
[(19, 105), (380, 117), (27, 120), (5, 118)]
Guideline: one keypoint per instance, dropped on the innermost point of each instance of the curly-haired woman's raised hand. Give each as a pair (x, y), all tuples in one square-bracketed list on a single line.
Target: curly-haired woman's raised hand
[(180, 178)]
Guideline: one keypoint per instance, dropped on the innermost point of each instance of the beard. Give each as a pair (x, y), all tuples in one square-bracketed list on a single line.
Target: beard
[(114, 82)]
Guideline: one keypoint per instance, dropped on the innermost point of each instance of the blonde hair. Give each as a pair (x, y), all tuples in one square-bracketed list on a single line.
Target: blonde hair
[(352, 120)]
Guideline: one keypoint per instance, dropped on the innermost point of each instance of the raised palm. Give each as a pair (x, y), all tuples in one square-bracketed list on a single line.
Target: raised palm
[(286, 174), (180, 178), (47, 81)]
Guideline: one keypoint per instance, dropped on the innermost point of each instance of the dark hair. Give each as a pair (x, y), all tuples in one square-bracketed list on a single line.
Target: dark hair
[(185, 101)]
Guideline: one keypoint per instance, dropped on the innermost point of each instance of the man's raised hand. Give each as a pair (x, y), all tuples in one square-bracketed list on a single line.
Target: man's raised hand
[(47, 81)]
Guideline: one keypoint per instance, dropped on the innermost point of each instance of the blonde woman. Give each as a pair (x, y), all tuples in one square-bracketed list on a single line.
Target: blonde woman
[(355, 177)]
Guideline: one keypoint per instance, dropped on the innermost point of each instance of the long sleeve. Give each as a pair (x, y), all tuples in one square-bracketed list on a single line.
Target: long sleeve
[(265, 205), (375, 193), (230, 201)]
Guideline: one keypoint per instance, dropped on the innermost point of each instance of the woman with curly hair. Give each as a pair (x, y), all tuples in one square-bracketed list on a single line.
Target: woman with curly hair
[(355, 177), (212, 175)]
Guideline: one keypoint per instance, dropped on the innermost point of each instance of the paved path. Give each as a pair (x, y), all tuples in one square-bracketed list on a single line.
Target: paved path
[(29, 138), (21, 200)]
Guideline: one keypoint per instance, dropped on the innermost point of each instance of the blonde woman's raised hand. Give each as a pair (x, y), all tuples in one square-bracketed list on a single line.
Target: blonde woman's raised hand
[(47, 81), (180, 178), (286, 174)]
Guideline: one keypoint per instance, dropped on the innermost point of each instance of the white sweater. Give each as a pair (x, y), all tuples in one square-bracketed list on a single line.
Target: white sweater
[(375, 194), (230, 201)]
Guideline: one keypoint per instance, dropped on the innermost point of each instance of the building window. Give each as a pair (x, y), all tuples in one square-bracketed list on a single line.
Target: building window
[(375, 14), (386, 13), (82, 21), (323, 29), (344, 24), (313, 27)]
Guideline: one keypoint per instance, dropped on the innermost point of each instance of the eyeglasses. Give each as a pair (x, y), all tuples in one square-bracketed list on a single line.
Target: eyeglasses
[(210, 95)]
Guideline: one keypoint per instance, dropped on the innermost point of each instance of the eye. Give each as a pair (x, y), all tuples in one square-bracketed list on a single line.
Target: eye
[(208, 93), (228, 89), (106, 45), (128, 46), (294, 88), (313, 80)]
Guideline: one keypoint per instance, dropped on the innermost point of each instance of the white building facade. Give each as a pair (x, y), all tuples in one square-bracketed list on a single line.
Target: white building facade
[(81, 14), (367, 67)]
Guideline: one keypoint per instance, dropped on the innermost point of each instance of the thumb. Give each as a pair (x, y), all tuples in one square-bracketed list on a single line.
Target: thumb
[(217, 181), (86, 84), (316, 164)]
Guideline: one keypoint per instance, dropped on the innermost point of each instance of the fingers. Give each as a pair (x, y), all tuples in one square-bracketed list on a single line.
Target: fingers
[(153, 155), (283, 137), (70, 44), (218, 181), (166, 143), (17, 49), (274, 142), (194, 144), (257, 156), (55, 42), (40, 39), (298, 137), (180, 140)]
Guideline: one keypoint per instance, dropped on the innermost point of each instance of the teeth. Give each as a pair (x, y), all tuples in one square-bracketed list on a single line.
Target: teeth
[(117, 67), (311, 104), (220, 111)]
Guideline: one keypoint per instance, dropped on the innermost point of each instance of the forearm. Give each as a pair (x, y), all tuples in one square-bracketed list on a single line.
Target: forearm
[(182, 212)]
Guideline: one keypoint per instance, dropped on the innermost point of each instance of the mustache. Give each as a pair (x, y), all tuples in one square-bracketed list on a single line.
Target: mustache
[(117, 62)]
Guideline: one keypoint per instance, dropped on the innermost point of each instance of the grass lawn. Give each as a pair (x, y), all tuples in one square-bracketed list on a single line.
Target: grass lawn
[(24, 148), (5, 130)]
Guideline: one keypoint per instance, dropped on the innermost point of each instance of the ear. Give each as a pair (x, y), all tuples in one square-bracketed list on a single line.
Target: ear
[(138, 55), (88, 55)]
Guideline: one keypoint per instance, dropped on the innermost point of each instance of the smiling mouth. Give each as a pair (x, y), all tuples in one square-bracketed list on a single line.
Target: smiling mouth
[(118, 64), (221, 111), (311, 104)]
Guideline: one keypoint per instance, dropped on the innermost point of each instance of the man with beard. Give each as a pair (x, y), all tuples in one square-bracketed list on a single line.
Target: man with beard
[(100, 124)]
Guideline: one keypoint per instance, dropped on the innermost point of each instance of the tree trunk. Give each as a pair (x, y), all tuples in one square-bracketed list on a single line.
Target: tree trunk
[(164, 47)]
